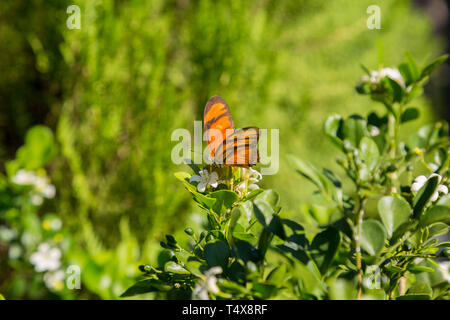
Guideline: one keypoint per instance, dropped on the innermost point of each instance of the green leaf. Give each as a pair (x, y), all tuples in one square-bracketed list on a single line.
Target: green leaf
[(216, 254), (308, 277), (38, 150), (393, 212), (409, 114), (437, 229), (369, 152), (245, 251), (270, 196), (418, 269), (145, 286), (224, 200), (268, 219), (413, 66), (264, 290), (444, 245), (409, 69), (433, 65), (173, 267), (424, 195), (243, 236), (323, 183), (276, 276), (406, 73), (265, 238), (373, 236), (354, 129), (419, 291), (402, 229), (324, 247), (195, 267), (397, 90), (435, 214), (332, 128), (252, 194), (190, 262)]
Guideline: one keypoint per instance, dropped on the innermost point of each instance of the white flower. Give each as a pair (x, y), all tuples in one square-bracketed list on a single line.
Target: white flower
[(376, 76), (46, 258), (54, 279), (444, 268), (394, 74), (24, 177), (204, 179), (420, 181), (42, 187), (208, 284), (46, 189), (36, 199), (249, 178), (374, 131)]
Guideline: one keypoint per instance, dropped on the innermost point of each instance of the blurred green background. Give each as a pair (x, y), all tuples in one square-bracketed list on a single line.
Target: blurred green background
[(113, 92)]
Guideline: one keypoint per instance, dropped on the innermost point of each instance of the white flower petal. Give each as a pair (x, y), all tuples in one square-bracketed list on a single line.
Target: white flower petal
[(434, 197), (194, 178), (214, 184), (201, 187), (442, 189), (419, 182)]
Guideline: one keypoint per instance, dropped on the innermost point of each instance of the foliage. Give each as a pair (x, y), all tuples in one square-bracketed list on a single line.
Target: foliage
[(335, 258), (388, 221), (112, 92)]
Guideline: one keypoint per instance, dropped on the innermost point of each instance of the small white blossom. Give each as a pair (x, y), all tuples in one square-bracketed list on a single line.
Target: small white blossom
[(374, 131), (420, 181), (24, 177), (208, 284), (36, 199), (376, 76), (204, 179), (42, 187), (54, 279), (250, 177), (46, 258)]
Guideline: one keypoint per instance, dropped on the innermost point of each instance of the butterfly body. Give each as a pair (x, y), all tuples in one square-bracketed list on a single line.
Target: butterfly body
[(227, 145)]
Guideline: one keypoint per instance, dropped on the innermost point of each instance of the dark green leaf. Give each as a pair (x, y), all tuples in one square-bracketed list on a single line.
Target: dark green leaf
[(269, 220), (216, 254), (324, 247), (424, 195), (410, 113)]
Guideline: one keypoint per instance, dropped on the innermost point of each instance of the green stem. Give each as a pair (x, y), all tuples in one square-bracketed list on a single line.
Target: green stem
[(359, 217)]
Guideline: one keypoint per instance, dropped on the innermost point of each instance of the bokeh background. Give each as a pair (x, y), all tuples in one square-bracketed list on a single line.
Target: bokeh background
[(113, 92)]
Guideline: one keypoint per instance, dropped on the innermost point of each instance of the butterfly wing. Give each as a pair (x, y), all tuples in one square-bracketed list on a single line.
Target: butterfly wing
[(240, 148), (217, 123)]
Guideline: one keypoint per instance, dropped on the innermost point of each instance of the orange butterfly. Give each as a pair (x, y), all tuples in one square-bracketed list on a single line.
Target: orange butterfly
[(228, 146)]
